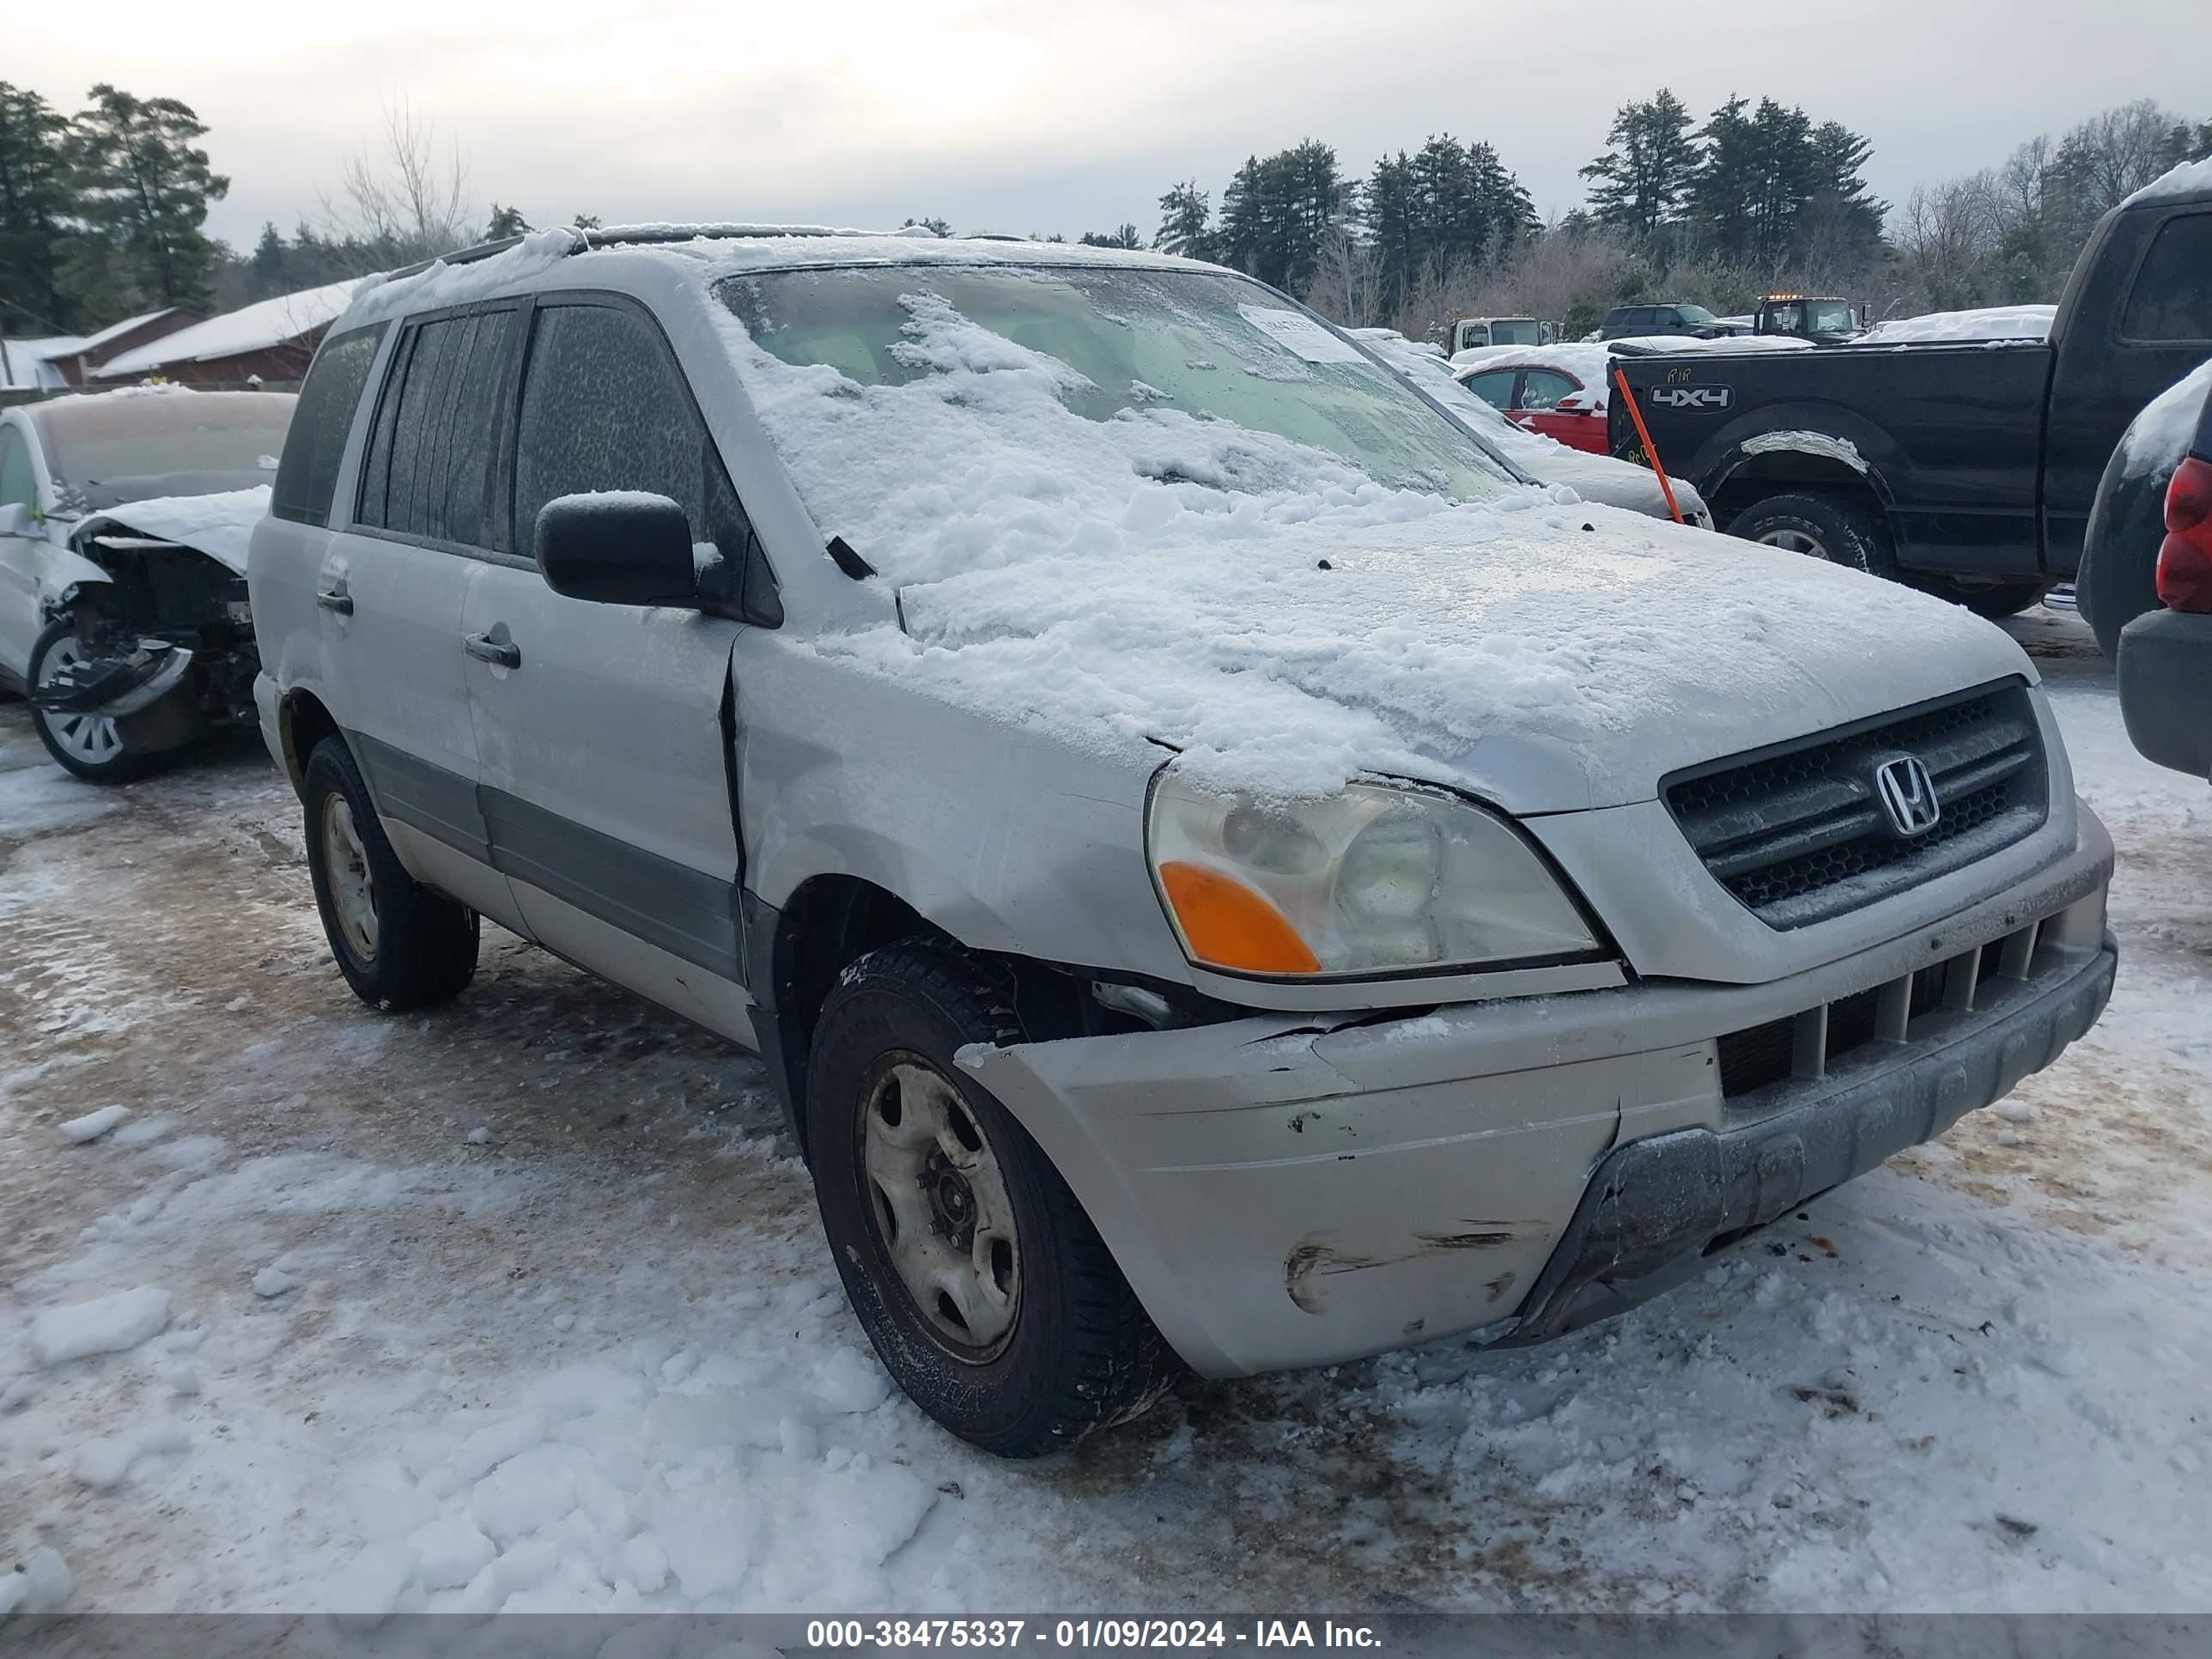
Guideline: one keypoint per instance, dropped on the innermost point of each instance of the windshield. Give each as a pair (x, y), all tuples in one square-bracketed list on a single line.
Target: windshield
[(1186, 378), (92, 445), (1831, 317), (1696, 314), (1519, 332)]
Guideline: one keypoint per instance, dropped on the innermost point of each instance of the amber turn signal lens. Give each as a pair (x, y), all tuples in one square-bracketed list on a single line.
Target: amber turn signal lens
[(1227, 925)]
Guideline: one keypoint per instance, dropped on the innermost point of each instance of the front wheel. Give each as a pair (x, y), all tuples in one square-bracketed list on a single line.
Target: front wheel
[(87, 745), (985, 1289), (399, 945), (1820, 527)]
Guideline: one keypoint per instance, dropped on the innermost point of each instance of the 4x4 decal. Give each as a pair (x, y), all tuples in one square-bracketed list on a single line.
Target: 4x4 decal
[(1692, 397)]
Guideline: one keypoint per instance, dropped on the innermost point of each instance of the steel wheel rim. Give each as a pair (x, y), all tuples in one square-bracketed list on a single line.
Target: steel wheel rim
[(937, 1201), (91, 738), (352, 884), (1794, 541)]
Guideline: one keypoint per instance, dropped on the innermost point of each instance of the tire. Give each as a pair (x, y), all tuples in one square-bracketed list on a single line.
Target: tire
[(1995, 600), (81, 743), (1075, 1353), (399, 945), (1821, 528)]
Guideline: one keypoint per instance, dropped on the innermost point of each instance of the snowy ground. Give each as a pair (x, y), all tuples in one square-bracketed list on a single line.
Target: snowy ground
[(524, 1304)]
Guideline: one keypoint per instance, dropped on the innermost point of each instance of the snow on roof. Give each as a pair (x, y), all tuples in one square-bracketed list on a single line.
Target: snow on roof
[(1987, 323), (117, 330), (250, 328), (24, 363), (2185, 180)]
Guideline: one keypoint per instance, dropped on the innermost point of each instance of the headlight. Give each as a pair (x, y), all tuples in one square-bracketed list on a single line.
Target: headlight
[(1372, 880)]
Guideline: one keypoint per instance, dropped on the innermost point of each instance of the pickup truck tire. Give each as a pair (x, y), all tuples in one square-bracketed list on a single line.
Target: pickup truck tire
[(1995, 600), (1820, 527), (1046, 1343), (82, 745), (399, 945)]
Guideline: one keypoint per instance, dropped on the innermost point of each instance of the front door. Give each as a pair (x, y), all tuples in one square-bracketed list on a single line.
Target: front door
[(601, 730)]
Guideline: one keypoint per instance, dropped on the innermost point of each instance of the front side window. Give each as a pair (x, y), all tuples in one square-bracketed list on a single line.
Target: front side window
[(2172, 296), (429, 464), (604, 407), (874, 381), (321, 422), (1542, 388)]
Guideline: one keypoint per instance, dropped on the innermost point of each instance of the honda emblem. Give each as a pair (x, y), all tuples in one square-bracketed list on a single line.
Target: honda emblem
[(1907, 794)]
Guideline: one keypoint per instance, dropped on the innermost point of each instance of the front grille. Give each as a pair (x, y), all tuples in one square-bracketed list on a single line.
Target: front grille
[(1809, 1044), (1797, 834)]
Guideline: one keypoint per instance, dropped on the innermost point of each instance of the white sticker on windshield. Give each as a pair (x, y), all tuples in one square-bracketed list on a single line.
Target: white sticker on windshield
[(1301, 334)]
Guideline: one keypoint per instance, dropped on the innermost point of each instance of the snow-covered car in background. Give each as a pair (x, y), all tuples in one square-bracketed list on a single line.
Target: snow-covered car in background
[(1986, 323), (124, 519), (1220, 863), (1594, 477), (2145, 580)]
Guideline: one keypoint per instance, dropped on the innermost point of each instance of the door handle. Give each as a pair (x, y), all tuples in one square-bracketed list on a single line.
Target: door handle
[(485, 649), (332, 599)]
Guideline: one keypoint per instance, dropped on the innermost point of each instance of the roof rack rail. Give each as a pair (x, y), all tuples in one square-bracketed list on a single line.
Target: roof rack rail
[(596, 236), (466, 256), (592, 236)]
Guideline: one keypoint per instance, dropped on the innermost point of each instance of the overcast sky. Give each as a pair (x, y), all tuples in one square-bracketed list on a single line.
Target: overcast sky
[(1042, 115)]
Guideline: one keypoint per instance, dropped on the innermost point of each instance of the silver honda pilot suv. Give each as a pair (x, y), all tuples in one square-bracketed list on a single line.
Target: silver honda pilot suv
[(1224, 869)]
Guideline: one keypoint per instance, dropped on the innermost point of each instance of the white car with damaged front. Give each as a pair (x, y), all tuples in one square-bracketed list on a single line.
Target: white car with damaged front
[(1223, 868)]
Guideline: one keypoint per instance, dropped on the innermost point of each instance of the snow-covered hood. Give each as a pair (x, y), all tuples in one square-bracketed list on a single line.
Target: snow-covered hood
[(1288, 622), (219, 525), (1544, 664)]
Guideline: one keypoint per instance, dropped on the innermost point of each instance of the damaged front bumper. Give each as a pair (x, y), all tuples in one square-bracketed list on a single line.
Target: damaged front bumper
[(1283, 1193), (113, 687)]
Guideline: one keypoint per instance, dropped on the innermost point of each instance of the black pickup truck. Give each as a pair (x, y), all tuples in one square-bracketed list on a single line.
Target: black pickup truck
[(1968, 470)]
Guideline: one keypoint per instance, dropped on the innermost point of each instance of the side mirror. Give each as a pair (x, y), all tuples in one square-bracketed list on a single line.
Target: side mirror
[(15, 521), (618, 547)]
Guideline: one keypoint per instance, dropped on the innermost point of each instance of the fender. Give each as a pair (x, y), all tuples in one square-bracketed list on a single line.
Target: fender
[(1762, 436)]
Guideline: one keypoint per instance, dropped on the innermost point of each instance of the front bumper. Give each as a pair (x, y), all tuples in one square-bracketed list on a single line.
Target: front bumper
[(2166, 688), (1283, 1192)]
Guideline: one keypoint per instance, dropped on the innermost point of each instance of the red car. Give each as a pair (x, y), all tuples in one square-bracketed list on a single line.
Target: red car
[(1537, 390)]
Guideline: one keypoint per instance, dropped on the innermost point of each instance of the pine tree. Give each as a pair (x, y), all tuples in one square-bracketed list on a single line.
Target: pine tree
[(34, 200), (1644, 178), (1127, 236), (1393, 227), (142, 191), (1723, 191), (1186, 222), (1276, 213), (939, 227), (506, 222), (268, 270)]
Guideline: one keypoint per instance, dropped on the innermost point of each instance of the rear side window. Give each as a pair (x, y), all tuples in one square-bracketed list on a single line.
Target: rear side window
[(430, 466), (2173, 297), (604, 407), (308, 472)]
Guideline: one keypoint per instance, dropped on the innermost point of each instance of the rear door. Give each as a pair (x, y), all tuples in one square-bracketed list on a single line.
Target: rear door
[(428, 518), (603, 730)]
